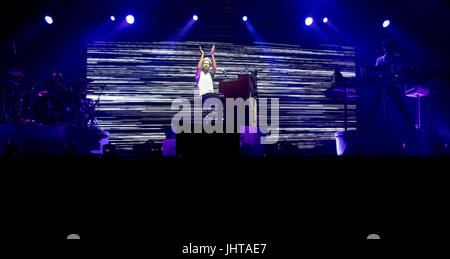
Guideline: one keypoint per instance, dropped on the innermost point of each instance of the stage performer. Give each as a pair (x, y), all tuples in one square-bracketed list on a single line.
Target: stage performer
[(204, 76), (390, 62)]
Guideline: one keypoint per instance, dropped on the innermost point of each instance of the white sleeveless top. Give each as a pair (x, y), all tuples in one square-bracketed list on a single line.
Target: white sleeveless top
[(205, 83)]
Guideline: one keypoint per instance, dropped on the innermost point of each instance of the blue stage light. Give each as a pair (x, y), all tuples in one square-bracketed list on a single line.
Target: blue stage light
[(309, 21), (195, 17), (48, 19), (113, 18), (244, 18), (386, 23), (325, 20), (130, 19)]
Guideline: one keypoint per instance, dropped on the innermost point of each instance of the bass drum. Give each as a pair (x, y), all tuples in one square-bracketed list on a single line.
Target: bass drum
[(66, 96), (49, 110)]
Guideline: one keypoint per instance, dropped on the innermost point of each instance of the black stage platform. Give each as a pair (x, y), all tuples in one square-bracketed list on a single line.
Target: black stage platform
[(48, 140)]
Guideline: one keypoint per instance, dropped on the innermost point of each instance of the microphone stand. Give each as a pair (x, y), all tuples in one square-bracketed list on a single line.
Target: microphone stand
[(93, 120), (225, 72), (254, 75)]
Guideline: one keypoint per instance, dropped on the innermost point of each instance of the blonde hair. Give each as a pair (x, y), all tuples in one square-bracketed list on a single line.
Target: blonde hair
[(207, 59)]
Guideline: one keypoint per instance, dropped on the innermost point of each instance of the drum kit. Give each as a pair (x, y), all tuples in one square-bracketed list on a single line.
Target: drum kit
[(62, 104)]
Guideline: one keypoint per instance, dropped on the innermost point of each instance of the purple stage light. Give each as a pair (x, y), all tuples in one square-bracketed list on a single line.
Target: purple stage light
[(245, 18), (195, 17), (386, 23), (130, 19), (309, 21), (113, 18), (48, 19), (325, 20)]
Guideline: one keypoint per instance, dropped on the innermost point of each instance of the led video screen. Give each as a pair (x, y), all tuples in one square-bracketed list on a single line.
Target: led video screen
[(139, 80)]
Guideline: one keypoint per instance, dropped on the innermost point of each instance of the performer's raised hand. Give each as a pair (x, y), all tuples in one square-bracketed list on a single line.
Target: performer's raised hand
[(201, 50), (213, 49)]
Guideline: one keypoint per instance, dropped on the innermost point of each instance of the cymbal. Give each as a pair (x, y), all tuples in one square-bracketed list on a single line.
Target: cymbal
[(336, 92), (16, 84), (15, 73)]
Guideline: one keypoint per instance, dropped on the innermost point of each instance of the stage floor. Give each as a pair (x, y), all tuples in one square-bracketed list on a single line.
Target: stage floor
[(48, 140)]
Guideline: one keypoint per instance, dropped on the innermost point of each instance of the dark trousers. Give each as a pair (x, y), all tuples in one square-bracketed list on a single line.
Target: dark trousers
[(220, 97), (213, 95), (394, 94)]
